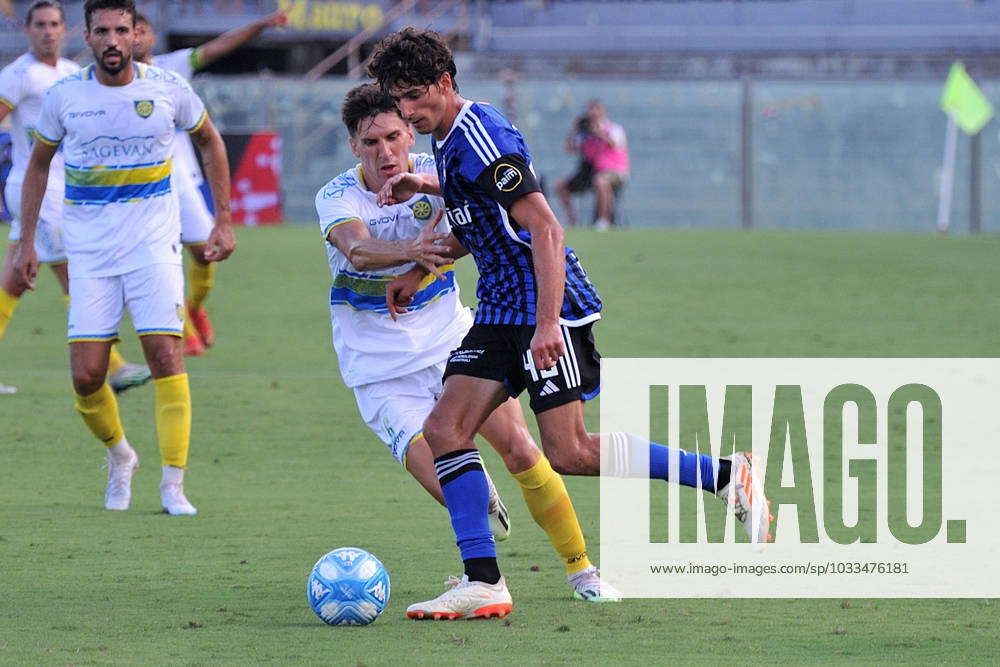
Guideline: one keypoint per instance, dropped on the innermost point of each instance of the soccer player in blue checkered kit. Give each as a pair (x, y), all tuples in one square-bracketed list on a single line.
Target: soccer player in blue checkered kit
[(532, 329), (394, 363), (115, 121)]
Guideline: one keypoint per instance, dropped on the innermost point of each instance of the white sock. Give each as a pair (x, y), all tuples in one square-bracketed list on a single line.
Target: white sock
[(121, 451), (172, 475)]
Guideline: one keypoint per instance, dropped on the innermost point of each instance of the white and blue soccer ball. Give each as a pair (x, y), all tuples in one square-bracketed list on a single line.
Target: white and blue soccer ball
[(348, 586)]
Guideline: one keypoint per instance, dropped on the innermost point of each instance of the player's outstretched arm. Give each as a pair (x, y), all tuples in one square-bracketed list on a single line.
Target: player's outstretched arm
[(401, 187), (36, 178), (228, 42), (222, 240), (532, 212), (367, 253)]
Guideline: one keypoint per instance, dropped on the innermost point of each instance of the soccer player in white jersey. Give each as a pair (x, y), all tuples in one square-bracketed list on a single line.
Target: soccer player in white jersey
[(115, 121), (22, 85), (395, 368), (196, 221)]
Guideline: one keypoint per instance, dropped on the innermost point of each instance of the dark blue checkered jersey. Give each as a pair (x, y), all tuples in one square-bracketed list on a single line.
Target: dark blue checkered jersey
[(484, 167)]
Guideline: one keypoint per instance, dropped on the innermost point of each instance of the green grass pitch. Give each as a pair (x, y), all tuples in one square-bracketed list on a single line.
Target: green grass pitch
[(283, 470)]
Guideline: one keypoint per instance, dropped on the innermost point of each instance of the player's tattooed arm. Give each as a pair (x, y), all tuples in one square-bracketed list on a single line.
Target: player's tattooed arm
[(222, 240), (401, 187)]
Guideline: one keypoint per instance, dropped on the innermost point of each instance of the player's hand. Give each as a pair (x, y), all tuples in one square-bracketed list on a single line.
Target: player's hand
[(426, 248), (25, 264), (398, 189), (277, 19), (547, 346), (221, 243), (400, 290)]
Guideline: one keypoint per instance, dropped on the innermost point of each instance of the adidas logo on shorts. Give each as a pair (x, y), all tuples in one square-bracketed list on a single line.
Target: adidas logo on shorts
[(549, 388)]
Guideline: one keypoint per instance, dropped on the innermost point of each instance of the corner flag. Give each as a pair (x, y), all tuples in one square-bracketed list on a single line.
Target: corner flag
[(964, 101)]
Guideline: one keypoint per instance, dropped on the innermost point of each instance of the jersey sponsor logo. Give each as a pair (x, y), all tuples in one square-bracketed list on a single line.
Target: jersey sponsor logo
[(459, 216), (103, 147), (422, 209), (144, 107), (91, 113), (383, 220), (507, 177)]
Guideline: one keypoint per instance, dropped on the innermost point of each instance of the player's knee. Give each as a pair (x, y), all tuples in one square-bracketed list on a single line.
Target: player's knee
[(441, 434), (519, 452), (87, 379)]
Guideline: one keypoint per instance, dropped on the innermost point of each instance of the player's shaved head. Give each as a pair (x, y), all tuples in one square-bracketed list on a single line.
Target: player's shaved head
[(411, 57), (364, 102)]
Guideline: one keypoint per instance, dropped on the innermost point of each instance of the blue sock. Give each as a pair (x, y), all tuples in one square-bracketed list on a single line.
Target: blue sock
[(466, 495), (690, 464)]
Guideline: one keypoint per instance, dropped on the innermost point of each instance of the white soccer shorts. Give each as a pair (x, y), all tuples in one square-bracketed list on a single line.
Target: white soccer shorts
[(48, 232), (153, 294), (395, 409), (196, 220)]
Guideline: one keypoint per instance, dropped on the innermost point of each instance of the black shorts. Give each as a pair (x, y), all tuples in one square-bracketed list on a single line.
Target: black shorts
[(582, 179), (502, 352)]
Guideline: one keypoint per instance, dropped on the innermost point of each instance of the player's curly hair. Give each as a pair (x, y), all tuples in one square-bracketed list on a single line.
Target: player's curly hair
[(91, 6), (365, 101), (411, 57)]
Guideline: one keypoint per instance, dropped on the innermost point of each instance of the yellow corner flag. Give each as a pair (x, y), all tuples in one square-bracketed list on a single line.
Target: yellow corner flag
[(964, 102)]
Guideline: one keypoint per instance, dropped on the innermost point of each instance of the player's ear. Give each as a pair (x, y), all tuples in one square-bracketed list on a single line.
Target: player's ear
[(354, 147), (444, 82), (409, 133)]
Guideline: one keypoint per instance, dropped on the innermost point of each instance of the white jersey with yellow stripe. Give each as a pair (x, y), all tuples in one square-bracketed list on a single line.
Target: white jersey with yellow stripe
[(186, 168), (118, 143), (370, 346), (22, 88)]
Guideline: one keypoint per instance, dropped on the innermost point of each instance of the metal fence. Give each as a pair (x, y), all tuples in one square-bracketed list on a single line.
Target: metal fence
[(771, 155)]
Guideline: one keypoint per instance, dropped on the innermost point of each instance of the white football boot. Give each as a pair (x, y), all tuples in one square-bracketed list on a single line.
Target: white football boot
[(172, 493), (588, 586), (745, 495), (497, 511), (465, 599), (118, 495)]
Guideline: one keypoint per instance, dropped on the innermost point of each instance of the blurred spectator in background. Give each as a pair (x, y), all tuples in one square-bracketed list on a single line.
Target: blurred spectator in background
[(604, 164)]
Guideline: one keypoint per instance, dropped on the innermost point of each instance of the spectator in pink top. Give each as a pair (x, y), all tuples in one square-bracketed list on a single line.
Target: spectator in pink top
[(604, 164)]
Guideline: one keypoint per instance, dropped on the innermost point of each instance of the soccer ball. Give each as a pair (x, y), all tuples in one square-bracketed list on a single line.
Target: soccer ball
[(348, 586)]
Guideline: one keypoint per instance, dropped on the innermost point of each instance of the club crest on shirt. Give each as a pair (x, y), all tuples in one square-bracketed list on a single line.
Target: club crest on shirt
[(143, 107), (422, 209)]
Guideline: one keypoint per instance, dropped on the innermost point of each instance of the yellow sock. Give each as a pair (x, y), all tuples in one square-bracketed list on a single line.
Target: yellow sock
[(201, 277), (173, 418), (115, 360), (550, 507), (189, 329), (100, 413), (8, 302)]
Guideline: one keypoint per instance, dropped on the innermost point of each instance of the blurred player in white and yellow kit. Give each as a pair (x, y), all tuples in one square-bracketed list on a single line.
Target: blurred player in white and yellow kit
[(22, 86), (196, 221), (115, 121), (395, 367)]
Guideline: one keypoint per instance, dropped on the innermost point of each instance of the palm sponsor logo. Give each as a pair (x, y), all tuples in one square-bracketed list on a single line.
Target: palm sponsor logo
[(507, 177)]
